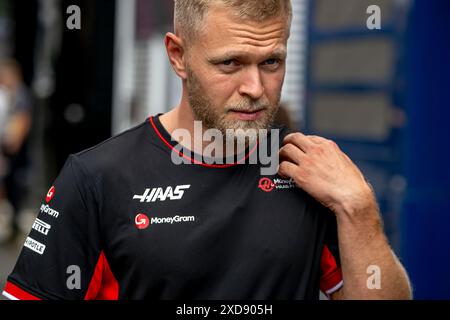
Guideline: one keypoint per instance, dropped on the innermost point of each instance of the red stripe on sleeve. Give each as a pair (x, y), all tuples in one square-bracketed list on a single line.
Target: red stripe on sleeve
[(331, 272), (18, 293)]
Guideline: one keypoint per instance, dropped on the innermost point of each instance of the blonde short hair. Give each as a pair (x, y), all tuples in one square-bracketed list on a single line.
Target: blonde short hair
[(190, 14)]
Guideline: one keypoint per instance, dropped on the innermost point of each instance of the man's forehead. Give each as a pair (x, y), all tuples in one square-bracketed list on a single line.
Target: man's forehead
[(224, 25), (227, 35), (223, 54)]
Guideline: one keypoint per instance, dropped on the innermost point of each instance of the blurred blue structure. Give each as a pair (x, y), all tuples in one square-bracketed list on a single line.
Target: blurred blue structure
[(380, 156), (409, 166), (426, 214)]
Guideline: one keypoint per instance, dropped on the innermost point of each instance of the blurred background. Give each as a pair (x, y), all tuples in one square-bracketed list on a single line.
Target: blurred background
[(382, 95)]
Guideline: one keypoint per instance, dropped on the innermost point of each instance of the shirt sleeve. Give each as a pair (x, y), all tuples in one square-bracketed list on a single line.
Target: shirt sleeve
[(62, 256), (331, 275)]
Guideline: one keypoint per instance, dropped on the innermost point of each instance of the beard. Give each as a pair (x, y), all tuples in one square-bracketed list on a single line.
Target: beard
[(217, 117)]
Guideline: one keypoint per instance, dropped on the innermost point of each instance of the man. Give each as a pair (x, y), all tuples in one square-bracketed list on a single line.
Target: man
[(123, 221)]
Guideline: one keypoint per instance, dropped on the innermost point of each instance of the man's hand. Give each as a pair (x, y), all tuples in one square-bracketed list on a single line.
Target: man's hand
[(319, 167)]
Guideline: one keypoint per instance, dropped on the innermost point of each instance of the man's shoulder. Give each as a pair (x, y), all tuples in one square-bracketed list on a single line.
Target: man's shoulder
[(116, 150)]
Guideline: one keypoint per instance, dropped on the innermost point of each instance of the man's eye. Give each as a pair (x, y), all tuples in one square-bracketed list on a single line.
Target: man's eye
[(229, 63), (229, 66), (271, 62)]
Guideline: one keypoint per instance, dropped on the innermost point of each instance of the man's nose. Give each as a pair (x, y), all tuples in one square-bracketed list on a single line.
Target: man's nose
[(252, 85)]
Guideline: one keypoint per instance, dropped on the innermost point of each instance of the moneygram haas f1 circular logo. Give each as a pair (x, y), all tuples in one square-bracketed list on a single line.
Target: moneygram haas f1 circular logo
[(50, 194), (266, 184), (141, 221)]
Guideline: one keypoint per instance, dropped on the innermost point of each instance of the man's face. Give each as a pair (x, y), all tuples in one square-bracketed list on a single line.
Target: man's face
[(235, 72)]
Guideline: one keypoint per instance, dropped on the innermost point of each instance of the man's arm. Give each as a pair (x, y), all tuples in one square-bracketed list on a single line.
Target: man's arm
[(67, 236), (320, 168), (363, 244)]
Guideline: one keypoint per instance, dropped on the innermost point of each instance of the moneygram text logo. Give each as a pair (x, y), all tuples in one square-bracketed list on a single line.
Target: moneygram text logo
[(172, 220), (51, 212), (142, 221)]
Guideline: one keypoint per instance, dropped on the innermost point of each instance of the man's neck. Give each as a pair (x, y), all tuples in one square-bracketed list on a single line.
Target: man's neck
[(182, 117)]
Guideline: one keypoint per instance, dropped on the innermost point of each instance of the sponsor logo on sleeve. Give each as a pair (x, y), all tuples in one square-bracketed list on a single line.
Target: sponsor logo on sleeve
[(51, 212), (34, 245), (50, 194), (41, 226)]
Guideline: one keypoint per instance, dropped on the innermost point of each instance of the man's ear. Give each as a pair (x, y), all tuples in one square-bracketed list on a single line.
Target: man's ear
[(177, 54)]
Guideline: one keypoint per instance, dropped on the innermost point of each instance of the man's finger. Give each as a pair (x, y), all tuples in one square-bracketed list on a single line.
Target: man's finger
[(287, 169), (300, 140), (317, 139), (291, 153)]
